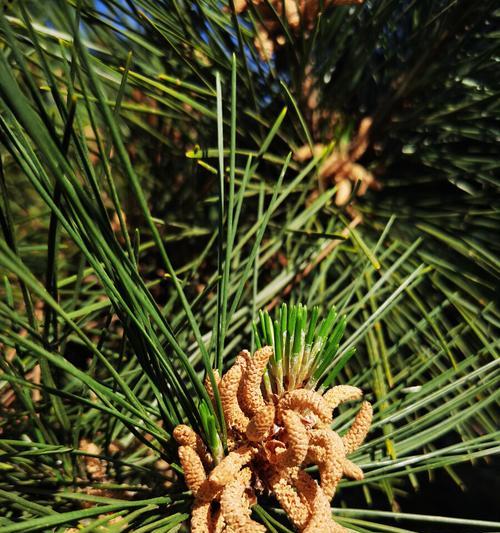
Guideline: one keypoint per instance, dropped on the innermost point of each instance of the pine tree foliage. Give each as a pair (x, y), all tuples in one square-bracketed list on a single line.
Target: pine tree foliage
[(170, 168)]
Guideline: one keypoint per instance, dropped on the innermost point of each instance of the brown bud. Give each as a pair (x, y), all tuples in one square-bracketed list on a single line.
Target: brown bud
[(194, 473), (357, 432), (261, 424), (229, 385), (340, 394), (251, 394), (303, 400)]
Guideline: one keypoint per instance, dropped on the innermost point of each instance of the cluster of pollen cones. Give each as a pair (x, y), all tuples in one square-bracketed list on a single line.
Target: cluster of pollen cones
[(296, 12), (297, 15), (270, 442)]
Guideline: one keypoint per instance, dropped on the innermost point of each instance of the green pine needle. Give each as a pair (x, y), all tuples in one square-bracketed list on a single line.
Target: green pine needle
[(303, 349)]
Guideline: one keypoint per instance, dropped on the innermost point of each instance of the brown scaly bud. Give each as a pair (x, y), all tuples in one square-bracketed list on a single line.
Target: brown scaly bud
[(292, 13), (331, 462), (315, 454), (185, 436), (289, 499), (331, 165), (251, 394), (201, 519), (358, 173), (298, 440), (340, 394), (320, 520), (357, 432), (303, 400), (344, 190), (361, 142), (235, 505), (225, 471), (94, 466), (306, 487), (240, 6), (261, 424), (304, 152), (208, 384), (228, 387), (352, 470), (244, 357), (207, 492), (194, 473), (264, 44)]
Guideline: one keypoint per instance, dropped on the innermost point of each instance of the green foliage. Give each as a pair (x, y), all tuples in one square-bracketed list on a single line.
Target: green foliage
[(304, 350), (152, 202)]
